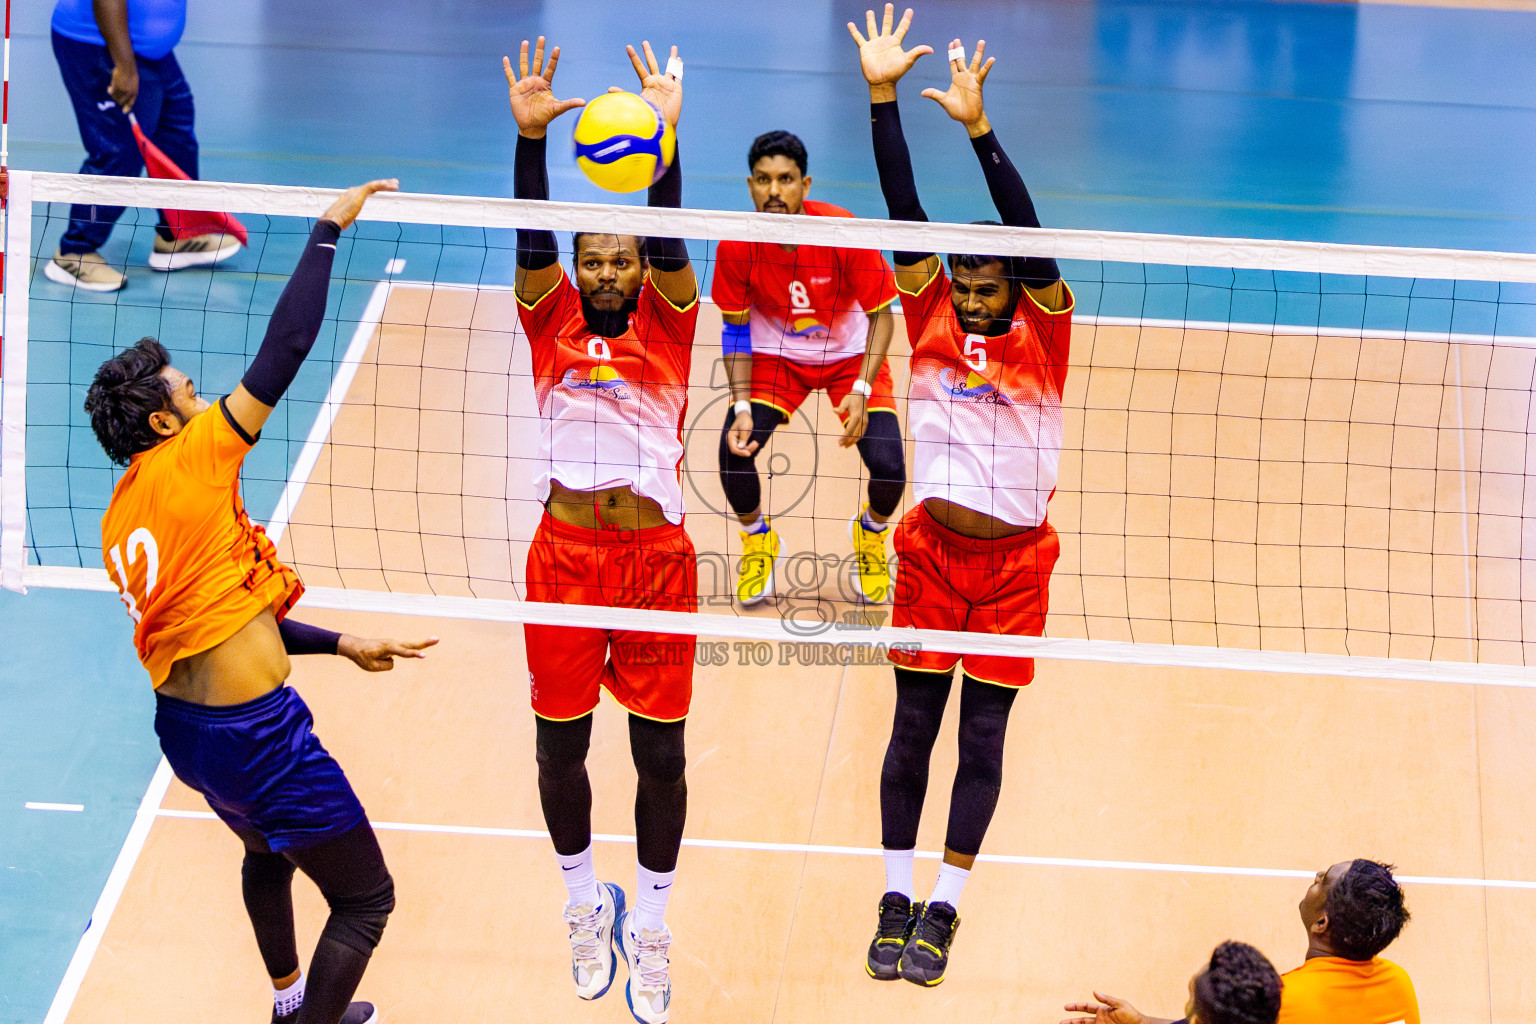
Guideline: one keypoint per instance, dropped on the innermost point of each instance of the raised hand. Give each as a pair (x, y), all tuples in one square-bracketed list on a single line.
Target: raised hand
[(533, 101), (881, 57), (350, 203), (1108, 1010), (380, 655), (663, 91), (962, 100)]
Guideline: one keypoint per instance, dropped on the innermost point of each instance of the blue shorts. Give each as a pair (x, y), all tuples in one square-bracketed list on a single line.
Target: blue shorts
[(261, 768)]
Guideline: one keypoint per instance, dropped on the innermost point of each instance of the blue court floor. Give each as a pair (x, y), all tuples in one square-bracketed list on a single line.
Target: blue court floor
[(1319, 121)]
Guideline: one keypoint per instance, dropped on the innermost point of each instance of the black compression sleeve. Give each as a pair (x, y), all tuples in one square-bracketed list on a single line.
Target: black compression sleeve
[(302, 638), (296, 318), (894, 164), (1011, 198), (667, 255), (530, 180)]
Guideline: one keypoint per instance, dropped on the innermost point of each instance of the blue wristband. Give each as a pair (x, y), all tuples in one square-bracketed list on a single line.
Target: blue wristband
[(736, 339)]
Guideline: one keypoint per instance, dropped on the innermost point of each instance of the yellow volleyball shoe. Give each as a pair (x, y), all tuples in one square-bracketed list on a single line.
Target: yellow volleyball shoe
[(754, 582), (874, 565)]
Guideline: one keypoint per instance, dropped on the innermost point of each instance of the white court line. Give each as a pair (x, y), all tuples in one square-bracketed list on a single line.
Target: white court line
[(69, 987), (874, 851), (394, 266), (320, 430), (40, 805)]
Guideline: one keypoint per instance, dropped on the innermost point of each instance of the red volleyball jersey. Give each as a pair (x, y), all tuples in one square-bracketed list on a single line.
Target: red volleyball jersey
[(612, 408), (984, 414), (809, 304)]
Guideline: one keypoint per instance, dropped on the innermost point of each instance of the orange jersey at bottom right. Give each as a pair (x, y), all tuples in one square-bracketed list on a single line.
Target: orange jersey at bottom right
[(1331, 990)]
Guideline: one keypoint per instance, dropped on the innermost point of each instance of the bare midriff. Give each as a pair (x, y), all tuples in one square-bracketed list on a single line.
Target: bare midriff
[(250, 664), (967, 522), (608, 508)]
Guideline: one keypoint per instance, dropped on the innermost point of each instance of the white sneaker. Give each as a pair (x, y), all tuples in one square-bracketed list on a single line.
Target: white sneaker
[(592, 957), (649, 991), (197, 251), (85, 270)]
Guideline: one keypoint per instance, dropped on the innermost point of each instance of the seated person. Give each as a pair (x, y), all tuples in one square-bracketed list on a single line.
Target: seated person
[(1238, 986), (1352, 911)]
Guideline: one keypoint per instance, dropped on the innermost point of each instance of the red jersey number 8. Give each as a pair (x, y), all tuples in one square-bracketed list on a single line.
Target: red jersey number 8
[(139, 540)]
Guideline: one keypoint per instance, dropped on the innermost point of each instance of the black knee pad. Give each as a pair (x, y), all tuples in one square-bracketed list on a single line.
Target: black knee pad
[(357, 922), (882, 451), (561, 747), (259, 870), (658, 750), (984, 709)]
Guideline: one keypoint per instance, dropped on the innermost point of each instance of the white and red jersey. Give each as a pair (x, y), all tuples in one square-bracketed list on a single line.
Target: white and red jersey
[(611, 408), (984, 414), (809, 305)]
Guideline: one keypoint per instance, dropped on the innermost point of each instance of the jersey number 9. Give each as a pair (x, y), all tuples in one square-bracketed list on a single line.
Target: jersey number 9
[(139, 541)]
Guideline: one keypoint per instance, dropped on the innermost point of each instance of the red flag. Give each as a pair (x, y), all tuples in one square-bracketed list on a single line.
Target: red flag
[(184, 223)]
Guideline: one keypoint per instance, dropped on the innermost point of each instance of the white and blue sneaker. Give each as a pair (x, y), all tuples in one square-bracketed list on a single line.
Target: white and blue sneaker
[(592, 941), (649, 991)]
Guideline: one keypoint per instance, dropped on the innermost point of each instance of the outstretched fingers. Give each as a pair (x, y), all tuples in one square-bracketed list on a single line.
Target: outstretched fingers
[(522, 60), (549, 69), (885, 24), (858, 37), (906, 22), (506, 67)]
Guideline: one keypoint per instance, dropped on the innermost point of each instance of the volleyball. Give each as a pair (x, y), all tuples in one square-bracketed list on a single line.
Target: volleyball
[(623, 143)]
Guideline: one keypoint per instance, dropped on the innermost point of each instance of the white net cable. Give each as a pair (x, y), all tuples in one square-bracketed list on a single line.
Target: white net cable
[(1279, 456)]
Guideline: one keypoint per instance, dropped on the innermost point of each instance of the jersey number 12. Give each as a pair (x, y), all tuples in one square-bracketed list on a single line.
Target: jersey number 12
[(140, 540)]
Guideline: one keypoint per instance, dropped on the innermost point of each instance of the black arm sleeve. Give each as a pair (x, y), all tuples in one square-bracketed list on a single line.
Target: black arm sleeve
[(530, 180), (296, 318), (667, 255), (302, 638), (1011, 198), (894, 164)]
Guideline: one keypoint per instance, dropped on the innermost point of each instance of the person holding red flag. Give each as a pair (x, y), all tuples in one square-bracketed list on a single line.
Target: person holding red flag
[(115, 57)]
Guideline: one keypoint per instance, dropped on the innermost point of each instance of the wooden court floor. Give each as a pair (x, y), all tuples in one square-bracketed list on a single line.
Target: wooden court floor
[(1121, 780)]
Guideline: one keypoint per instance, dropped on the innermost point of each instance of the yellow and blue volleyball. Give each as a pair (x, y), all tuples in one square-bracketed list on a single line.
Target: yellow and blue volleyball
[(623, 143)]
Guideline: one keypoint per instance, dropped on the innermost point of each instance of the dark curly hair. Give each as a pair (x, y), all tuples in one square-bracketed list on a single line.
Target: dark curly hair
[(127, 388), (1240, 986), (1365, 909), (777, 143)]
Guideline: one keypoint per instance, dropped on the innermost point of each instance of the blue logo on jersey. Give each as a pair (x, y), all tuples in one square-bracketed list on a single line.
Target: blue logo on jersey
[(600, 378), (973, 386)]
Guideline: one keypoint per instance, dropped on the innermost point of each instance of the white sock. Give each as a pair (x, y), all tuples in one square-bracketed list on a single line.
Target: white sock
[(651, 899), (950, 884), (580, 878), (874, 527), (288, 1000), (758, 525), (898, 871)]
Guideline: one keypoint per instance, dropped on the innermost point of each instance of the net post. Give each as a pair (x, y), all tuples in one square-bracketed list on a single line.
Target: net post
[(13, 384)]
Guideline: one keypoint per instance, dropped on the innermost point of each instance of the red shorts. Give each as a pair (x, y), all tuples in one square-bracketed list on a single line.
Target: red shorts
[(946, 581), (650, 674), (786, 385)]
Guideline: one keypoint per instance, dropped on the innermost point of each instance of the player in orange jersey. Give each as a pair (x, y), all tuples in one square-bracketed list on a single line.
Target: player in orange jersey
[(611, 355), (1351, 911), (209, 600), (798, 319), (989, 357)]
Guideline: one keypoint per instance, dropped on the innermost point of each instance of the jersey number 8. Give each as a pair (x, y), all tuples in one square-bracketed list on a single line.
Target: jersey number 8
[(139, 540)]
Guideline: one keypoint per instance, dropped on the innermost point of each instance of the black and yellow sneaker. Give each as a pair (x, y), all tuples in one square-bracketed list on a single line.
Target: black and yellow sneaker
[(897, 917), (927, 953)]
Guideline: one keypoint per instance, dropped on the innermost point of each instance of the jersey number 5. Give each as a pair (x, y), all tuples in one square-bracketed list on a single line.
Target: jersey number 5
[(139, 540), (976, 352)]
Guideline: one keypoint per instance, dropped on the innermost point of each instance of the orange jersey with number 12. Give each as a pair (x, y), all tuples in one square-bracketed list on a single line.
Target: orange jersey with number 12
[(191, 566)]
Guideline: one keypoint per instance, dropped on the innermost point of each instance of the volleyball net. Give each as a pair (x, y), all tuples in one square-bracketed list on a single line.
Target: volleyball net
[(1278, 455)]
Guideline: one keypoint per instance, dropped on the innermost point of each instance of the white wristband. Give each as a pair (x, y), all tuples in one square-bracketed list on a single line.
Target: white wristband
[(675, 68), (861, 387), (742, 406)]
